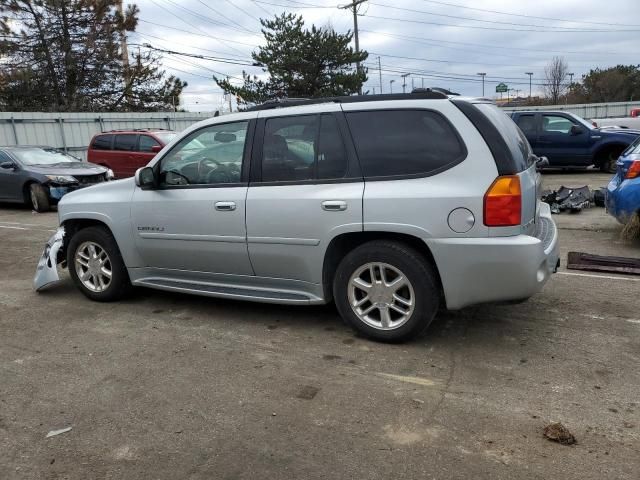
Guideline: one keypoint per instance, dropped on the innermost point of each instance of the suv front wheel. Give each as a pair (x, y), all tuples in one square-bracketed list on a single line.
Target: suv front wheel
[(96, 266), (386, 290)]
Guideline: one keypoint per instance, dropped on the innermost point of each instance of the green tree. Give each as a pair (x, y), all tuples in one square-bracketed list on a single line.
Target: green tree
[(615, 84), (65, 55), (300, 63)]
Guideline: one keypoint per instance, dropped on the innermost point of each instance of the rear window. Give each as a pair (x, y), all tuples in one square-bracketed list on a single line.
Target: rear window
[(125, 142), (102, 142), (514, 138), (404, 142)]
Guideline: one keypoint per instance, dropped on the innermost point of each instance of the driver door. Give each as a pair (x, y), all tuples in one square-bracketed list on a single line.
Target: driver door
[(195, 219)]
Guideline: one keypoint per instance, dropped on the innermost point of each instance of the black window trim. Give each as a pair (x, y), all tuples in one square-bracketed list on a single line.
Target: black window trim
[(352, 175), (135, 149), (244, 168), (408, 176), (104, 135)]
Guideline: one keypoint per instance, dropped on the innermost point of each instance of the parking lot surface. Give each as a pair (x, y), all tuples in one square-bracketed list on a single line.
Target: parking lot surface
[(173, 386)]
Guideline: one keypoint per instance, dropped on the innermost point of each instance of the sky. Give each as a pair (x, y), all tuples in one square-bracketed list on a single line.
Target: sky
[(443, 43)]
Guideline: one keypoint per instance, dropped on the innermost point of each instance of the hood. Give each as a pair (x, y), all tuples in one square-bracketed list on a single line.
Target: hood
[(116, 191), (71, 168), (631, 132)]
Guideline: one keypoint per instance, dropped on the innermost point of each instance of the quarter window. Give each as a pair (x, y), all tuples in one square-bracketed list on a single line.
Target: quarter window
[(125, 142), (147, 142), (304, 147), (211, 155), (102, 142), (404, 142)]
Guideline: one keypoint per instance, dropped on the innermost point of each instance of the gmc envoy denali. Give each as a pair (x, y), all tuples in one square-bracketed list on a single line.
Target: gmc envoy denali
[(389, 206)]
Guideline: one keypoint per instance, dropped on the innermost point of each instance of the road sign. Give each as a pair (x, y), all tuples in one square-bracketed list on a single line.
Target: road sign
[(501, 88)]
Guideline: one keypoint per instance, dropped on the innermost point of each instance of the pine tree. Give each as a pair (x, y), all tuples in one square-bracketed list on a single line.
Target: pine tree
[(64, 55), (301, 63)]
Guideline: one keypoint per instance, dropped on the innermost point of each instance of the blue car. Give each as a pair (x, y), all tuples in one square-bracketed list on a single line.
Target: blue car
[(623, 191)]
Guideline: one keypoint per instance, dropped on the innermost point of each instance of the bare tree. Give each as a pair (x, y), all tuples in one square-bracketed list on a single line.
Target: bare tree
[(556, 74)]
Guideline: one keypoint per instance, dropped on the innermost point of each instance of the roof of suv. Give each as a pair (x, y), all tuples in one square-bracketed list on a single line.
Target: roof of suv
[(138, 130)]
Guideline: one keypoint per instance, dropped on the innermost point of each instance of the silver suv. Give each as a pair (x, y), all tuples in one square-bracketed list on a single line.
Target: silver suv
[(390, 206)]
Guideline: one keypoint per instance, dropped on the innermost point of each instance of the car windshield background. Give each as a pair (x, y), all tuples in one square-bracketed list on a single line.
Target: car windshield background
[(582, 121), (514, 138), (210, 155), (404, 142), (303, 147), (165, 137), (42, 156), (556, 124)]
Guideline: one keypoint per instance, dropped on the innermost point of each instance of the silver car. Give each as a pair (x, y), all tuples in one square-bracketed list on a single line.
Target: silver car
[(389, 206)]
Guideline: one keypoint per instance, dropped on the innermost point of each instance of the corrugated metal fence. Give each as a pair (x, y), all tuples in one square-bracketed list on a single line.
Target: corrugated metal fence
[(73, 131), (588, 110)]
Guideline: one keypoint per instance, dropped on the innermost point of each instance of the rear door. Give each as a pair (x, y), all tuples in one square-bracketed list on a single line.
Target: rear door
[(125, 146), (305, 188), (10, 180)]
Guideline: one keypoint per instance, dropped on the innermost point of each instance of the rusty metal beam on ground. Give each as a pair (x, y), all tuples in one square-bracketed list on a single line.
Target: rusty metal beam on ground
[(601, 263)]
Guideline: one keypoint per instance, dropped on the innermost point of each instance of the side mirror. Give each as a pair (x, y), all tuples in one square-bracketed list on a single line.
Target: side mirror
[(542, 162), (145, 178), (156, 148), (575, 130), (8, 166)]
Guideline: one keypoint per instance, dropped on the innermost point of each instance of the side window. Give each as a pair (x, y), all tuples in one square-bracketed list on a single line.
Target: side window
[(125, 142), (304, 147), (211, 155), (527, 124), (146, 143), (404, 142), (556, 124), (102, 142)]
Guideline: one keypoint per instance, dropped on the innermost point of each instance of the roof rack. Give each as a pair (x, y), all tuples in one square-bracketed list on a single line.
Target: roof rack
[(136, 130), (423, 94)]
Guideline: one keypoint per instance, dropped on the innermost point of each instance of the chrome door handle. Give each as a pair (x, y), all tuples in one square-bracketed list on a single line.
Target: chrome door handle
[(225, 206), (334, 205)]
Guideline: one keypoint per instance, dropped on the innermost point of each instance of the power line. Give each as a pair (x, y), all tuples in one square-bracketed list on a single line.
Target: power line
[(163, 40), (221, 14), (455, 5), (301, 5), (198, 34), (243, 10), (230, 61), (261, 7)]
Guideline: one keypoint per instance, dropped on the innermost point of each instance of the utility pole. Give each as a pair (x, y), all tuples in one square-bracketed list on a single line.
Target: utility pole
[(422, 82), (404, 82), (482, 74), (391, 86), (229, 94), (380, 74), (124, 51), (566, 97), (571, 78), (354, 8), (530, 74)]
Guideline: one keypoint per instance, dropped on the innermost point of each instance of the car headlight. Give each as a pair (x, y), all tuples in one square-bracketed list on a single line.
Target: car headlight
[(62, 178), (110, 174)]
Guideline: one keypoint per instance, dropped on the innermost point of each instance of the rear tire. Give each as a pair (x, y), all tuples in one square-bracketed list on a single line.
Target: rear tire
[(96, 266), (38, 198), (387, 291)]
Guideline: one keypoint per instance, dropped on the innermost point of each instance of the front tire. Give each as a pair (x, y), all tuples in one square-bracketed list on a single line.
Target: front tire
[(387, 291), (96, 266), (608, 163), (38, 198)]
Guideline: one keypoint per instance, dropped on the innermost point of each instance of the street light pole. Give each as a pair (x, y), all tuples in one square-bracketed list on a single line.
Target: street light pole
[(380, 74), (482, 74), (391, 86), (404, 81), (530, 75)]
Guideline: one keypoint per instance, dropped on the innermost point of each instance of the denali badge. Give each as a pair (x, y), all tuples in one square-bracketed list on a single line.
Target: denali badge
[(151, 229)]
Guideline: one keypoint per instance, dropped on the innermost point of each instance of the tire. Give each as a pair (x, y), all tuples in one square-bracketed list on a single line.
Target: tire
[(93, 252), (395, 259), (38, 198), (609, 159)]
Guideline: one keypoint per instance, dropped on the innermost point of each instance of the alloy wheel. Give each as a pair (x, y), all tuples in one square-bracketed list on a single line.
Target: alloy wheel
[(93, 266)]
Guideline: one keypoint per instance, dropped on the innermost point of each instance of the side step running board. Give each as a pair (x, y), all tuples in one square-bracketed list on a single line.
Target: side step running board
[(228, 291)]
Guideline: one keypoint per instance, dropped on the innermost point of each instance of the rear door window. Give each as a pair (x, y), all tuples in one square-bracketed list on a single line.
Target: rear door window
[(127, 142), (147, 143), (102, 142), (404, 142)]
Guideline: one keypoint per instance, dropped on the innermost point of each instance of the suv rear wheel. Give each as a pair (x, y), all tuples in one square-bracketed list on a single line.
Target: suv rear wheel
[(96, 266), (386, 290)]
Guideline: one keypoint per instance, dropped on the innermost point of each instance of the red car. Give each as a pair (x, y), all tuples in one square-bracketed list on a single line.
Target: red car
[(125, 151)]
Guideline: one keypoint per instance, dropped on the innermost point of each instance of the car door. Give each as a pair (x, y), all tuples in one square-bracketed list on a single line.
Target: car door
[(146, 153), (305, 189), (125, 147), (561, 144), (10, 180), (194, 221)]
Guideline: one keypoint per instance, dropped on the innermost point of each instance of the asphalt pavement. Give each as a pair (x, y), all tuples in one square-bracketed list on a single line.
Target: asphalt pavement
[(168, 386)]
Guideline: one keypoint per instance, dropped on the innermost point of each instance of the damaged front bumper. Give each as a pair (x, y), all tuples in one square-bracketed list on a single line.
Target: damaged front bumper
[(47, 269)]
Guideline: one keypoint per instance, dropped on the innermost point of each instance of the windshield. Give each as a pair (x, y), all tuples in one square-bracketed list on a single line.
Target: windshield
[(165, 137), (42, 156), (582, 121)]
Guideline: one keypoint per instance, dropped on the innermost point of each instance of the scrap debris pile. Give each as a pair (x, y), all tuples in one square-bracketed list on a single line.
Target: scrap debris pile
[(573, 200)]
